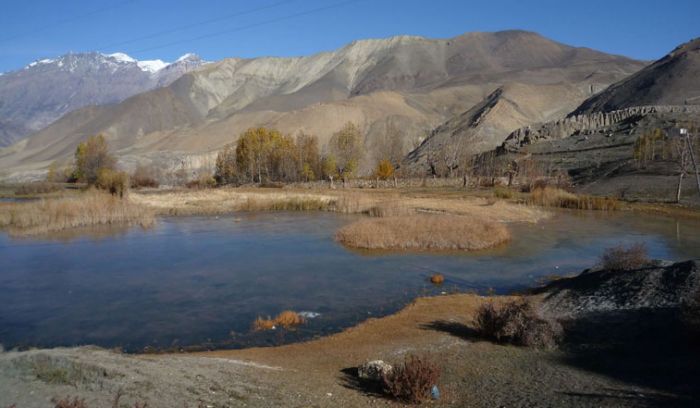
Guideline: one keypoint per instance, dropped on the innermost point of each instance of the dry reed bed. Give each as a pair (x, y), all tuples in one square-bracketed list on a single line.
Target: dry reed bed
[(90, 208), (222, 201), (424, 232), (556, 197), (375, 203)]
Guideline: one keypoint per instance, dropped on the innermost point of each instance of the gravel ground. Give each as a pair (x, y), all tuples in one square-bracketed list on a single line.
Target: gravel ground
[(319, 373)]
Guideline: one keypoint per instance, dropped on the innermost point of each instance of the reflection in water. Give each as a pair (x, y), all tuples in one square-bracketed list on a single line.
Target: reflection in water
[(203, 280)]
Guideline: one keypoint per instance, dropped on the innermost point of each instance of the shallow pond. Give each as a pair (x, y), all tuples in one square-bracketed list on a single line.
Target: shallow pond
[(201, 281)]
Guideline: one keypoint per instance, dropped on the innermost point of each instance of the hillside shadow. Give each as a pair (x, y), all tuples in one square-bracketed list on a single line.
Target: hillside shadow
[(454, 328), (645, 348)]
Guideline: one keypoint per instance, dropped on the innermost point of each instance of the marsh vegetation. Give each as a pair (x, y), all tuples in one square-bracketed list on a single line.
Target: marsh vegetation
[(433, 232)]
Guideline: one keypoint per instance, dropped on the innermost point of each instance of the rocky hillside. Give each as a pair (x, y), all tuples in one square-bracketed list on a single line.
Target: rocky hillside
[(659, 285), (672, 80), (595, 143), (412, 83), (43, 91)]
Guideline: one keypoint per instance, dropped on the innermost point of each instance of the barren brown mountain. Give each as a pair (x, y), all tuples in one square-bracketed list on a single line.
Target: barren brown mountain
[(411, 83)]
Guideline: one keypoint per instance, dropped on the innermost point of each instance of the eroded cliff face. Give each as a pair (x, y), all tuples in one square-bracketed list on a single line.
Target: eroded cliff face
[(585, 124)]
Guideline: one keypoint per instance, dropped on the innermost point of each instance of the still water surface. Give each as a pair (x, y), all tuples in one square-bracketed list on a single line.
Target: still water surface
[(203, 280)]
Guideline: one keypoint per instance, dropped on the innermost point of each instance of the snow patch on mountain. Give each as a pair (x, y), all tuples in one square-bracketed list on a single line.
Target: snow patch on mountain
[(120, 57), (152, 66)]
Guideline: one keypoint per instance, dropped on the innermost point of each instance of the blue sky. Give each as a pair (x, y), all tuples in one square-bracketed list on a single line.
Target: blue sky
[(215, 29)]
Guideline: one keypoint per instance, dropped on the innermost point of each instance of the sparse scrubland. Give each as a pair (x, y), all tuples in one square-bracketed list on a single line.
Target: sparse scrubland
[(424, 232)]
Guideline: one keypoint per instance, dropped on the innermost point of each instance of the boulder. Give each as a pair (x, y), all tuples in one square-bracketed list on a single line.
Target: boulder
[(373, 370)]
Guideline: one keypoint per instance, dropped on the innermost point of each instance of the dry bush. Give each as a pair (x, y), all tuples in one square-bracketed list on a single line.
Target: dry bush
[(39, 187), (69, 403), (144, 177), (413, 380), (517, 322), (203, 181), (287, 319), (503, 192), (114, 182), (555, 197), (437, 279), (621, 258), (89, 208), (424, 232)]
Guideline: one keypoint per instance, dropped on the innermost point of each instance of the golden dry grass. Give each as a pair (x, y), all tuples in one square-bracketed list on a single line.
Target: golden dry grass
[(89, 208), (228, 200), (556, 197), (424, 232), (286, 319), (378, 203)]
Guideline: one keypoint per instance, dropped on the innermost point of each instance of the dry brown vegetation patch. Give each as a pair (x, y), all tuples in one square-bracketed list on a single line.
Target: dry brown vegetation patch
[(424, 232), (517, 322), (56, 214), (555, 197), (287, 319), (412, 380), (621, 258)]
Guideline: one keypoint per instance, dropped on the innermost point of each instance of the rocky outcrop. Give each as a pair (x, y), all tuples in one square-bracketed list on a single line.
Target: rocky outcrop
[(660, 285), (582, 124)]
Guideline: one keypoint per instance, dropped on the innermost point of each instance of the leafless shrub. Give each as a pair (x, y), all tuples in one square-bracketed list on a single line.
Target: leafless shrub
[(144, 177), (413, 380), (621, 258), (517, 322)]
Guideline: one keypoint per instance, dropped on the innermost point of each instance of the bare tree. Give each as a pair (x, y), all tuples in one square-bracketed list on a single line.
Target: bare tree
[(681, 156)]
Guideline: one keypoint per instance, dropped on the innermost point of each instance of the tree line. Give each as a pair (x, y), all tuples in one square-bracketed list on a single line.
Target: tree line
[(266, 155)]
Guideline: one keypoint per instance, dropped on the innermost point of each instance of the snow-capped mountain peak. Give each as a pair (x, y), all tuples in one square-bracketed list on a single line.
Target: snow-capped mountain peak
[(187, 57), (120, 57)]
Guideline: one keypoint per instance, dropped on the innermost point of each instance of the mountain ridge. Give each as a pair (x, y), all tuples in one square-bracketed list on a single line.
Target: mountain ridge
[(33, 97), (415, 82)]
